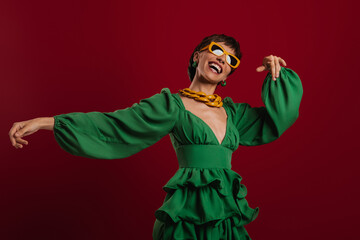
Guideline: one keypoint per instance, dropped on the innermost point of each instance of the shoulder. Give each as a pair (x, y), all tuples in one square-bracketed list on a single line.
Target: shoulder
[(168, 99), (165, 90), (174, 97), (160, 104), (164, 93), (168, 93), (164, 97)]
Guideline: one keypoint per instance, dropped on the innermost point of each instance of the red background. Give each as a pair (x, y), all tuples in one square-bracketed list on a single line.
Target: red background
[(80, 56)]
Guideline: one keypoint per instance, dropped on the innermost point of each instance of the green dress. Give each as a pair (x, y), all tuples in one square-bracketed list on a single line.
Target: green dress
[(205, 198)]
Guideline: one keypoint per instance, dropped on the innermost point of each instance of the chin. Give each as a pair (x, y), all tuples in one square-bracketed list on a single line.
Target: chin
[(211, 77)]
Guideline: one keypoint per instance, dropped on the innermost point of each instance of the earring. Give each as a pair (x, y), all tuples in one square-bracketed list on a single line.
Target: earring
[(223, 83), (194, 64)]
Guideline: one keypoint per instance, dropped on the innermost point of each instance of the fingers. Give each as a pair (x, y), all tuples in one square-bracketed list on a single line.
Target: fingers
[(272, 63), (22, 141), (273, 67), (13, 130), (24, 131), (282, 61), (18, 145), (19, 141), (20, 133), (277, 67), (260, 69), (15, 133), (12, 140)]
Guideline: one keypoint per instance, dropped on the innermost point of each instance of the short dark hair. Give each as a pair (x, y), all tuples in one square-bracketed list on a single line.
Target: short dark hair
[(229, 41)]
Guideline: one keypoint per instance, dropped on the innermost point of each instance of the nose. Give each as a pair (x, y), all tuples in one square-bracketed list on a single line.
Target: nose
[(221, 59)]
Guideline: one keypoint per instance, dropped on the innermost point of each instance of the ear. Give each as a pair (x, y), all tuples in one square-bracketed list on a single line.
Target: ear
[(196, 56)]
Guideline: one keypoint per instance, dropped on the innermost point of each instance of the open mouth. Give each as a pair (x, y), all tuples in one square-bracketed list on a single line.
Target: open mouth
[(216, 68)]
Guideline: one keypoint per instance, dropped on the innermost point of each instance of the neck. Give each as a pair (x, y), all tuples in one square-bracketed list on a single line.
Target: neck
[(202, 85)]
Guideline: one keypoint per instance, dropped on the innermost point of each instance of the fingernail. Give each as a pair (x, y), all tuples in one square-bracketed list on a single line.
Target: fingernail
[(17, 134)]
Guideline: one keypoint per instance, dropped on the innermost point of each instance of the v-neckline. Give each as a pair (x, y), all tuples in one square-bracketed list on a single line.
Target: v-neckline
[(227, 121)]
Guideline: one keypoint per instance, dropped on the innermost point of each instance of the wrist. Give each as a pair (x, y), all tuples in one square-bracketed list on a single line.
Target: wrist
[(46, 123)]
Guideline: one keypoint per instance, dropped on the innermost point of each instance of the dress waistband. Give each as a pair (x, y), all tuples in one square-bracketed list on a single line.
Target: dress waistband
[(204, 156)]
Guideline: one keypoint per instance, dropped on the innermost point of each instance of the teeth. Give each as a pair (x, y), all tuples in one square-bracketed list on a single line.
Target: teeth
[(216, 66), (214, 70)]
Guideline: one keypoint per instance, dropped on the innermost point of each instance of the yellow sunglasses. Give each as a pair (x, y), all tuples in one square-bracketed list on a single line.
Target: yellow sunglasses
[(216, 49)]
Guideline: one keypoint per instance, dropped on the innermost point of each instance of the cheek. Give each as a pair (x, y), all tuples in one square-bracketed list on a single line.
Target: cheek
[(227, 69), (203, 65)]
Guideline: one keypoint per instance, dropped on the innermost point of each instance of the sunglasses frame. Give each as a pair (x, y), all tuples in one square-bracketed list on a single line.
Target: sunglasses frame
[(224, 52)]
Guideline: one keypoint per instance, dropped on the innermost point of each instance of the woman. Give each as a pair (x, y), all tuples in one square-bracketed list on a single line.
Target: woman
[(205, 198)]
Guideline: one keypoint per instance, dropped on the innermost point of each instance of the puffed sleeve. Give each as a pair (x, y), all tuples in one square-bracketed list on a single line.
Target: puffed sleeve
[(260, 125), (118, 134)]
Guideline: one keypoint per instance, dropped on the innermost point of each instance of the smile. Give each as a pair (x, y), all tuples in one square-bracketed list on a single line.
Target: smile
[(216, 68)]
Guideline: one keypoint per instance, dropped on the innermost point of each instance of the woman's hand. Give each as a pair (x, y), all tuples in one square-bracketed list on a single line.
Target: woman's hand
[(272, 63), (25, 128)]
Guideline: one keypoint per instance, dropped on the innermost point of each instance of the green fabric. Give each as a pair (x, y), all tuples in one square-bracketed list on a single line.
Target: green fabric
[(204, 156), (205, 198)]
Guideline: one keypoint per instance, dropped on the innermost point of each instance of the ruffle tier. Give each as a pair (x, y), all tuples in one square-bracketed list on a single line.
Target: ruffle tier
[(184, 230), (206, 196)]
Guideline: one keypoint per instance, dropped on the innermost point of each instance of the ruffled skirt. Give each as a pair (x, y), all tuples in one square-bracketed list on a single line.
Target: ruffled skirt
[(204, 203)]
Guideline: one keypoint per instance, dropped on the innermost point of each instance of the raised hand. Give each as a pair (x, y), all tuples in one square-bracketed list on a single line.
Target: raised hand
[(272, 63)]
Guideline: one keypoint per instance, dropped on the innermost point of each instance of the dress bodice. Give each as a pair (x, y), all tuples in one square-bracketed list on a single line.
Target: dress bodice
[(190, 129)]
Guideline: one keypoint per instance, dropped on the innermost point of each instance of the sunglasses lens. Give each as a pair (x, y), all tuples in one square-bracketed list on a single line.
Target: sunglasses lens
[(231, 60), (217, 50)]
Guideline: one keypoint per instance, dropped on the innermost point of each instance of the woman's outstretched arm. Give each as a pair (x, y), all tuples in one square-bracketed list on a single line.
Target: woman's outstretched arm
[(107, 135)]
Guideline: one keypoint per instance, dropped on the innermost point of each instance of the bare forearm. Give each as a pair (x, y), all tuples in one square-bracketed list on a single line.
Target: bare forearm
[(47, 123)]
